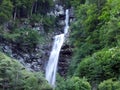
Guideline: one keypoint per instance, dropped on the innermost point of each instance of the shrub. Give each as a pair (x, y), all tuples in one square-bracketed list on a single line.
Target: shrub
[(47, 22), (13, 76), (36, 18), (101, 65), (24, 38), (96, 27), (6, 9), (74, 83), (60, 83), (3, 18), (109, 85), (84, 36)]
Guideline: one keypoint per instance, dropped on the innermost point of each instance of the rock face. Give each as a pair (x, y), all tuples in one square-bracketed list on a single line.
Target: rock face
[(33, 60), (64, 60)]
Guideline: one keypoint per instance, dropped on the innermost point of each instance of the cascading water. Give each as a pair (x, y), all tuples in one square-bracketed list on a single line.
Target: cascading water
[(51, 68)]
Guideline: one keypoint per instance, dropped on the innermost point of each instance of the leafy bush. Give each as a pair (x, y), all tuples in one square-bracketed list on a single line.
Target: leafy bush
[(109, 20), (25, 36), (74, 83), (24, 39), (14, 76), (5, 11), (60, 83), (96, 27), (36, 18), (84, 37), (3, 18), (109, 85), (76, 3), (47, 22), (102, 65)]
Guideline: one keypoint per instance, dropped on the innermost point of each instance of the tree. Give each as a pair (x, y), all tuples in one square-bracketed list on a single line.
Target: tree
[(6, 8), (84, 36), (43, 6), (102, 65), (22, 8)]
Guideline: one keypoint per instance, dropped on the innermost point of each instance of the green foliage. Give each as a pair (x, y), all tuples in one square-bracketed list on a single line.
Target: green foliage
[(102, 65), (96, 27), (13, 76), (84, 35), (36, 18), (99, 3), (44, 6), (22, 8), (3, 18), (60, 83), (76, 3), (6, 8), (25, 39), (65, 3), (49, 23), (25, 36), (109, 30), (109, 85), (74, 83)]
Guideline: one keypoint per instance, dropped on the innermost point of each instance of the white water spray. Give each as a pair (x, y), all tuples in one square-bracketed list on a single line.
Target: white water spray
[(51, 68)]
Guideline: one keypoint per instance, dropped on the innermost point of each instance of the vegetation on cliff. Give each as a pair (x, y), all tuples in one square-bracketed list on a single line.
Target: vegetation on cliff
[(25, 22), (14, 76)]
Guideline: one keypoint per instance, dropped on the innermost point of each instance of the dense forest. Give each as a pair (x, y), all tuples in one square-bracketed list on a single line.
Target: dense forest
[(94, 39)]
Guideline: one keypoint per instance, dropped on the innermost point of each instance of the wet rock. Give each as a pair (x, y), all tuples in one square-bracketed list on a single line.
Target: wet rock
[(59, 10), (64, 59)]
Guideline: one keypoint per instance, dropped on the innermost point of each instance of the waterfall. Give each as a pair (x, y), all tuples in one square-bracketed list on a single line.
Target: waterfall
[(51, 68)]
